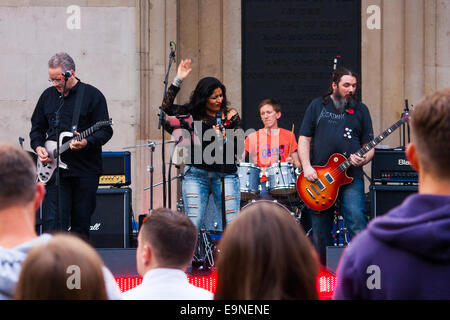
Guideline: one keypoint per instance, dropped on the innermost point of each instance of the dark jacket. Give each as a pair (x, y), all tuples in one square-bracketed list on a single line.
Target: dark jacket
[(87, 161)]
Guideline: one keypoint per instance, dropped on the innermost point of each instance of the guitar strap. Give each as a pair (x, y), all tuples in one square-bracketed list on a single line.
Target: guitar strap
[(76, 110)]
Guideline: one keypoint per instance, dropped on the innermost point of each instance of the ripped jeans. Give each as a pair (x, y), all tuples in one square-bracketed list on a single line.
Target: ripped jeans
[(199, 183)]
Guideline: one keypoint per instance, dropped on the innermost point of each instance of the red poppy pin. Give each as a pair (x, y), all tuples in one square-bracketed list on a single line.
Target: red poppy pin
[(350, 111)]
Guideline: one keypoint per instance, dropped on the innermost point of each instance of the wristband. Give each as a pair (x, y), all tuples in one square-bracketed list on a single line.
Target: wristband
[(177, 81)]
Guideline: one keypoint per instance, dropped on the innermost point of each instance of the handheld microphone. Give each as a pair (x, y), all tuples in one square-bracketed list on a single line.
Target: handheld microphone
[(219, 124), (67, 74), (219, 119)]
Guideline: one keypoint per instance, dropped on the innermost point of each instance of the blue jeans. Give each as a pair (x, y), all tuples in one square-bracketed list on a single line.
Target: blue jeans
[(353, 207), (198, 184)]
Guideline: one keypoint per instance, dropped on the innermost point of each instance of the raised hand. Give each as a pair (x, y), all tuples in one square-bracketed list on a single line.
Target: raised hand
[(184, 68)]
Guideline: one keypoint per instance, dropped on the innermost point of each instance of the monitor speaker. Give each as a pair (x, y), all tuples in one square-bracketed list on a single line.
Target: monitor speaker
[(111, 222), (385, 197), (334, 254)]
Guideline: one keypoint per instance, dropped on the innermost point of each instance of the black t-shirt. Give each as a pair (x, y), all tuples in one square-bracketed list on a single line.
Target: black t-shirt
[(335, 132), (84, 162)]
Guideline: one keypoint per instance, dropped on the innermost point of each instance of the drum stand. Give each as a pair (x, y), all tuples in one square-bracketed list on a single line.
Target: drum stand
[(203, 260), (340, 231)]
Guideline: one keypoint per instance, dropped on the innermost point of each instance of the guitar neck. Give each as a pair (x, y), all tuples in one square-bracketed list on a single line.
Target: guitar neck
[(369, 146), (66, 145)]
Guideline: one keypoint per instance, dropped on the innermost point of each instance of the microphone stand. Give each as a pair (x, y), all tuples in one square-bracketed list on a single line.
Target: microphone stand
[(222, 146), (405, 125), (222, 183), (150, 169), (57, 127), (170, 172), (161, 125), (21, 140)]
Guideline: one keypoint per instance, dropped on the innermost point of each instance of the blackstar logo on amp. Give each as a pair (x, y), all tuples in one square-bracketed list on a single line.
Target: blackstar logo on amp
[(391, 165), (403, 162)]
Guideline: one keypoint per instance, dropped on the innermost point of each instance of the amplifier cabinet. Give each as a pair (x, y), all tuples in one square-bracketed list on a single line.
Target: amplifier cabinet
[(116, 169), (391, 165), (111, 222), (385, 197)]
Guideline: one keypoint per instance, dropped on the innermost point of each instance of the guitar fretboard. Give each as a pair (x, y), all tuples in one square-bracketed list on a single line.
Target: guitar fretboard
[(369, 146), (84, 134)]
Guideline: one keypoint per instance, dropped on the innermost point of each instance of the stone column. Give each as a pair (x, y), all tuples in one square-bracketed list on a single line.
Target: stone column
[(414, 51), (157, 26), (442, 44), (430, 25), (392, 69)]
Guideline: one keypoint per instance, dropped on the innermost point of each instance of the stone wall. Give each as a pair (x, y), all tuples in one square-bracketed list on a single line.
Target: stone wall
[(122, 47)]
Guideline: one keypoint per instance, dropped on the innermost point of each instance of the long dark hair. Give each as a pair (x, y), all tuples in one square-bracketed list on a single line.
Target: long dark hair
[(204, 89), (336, 78)]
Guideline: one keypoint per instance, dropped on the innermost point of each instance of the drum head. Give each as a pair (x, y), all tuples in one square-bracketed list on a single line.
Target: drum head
[(248, 164), (282, 178)]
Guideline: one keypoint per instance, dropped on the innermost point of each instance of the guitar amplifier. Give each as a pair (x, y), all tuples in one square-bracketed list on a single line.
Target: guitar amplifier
[(111, 221), (116, 169), (385, 197), (391, 165)]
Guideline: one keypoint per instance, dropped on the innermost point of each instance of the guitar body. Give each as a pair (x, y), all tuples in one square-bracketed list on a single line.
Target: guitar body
[(45, 171), (322, 194)]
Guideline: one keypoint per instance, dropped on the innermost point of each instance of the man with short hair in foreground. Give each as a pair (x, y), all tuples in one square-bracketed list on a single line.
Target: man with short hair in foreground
[(20, 197), (405, 254), (166, 244)]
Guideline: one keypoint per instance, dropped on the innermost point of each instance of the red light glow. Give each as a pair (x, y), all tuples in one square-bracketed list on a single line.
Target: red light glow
[(326, 283)]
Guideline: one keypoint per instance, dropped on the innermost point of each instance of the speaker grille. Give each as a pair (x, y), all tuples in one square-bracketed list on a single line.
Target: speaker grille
[(386, 197), (111, 221)]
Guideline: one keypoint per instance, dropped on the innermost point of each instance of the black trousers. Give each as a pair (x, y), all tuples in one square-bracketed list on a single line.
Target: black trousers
[(77, 204)]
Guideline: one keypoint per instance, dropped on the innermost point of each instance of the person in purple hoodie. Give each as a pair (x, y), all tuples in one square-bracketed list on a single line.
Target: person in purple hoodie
[(405, 254)]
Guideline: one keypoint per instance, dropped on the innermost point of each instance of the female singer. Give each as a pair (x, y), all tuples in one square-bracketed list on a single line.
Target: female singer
[(202, 176)]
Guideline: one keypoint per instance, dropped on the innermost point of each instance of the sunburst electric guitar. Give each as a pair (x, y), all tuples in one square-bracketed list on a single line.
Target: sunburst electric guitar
[(45, 170), (321, 194)]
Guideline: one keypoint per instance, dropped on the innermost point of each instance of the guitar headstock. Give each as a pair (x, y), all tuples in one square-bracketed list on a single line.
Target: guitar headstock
[(104, 123), (405, 117)]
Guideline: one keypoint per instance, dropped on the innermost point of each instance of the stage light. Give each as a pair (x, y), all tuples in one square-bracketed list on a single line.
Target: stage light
[(326, 284)]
